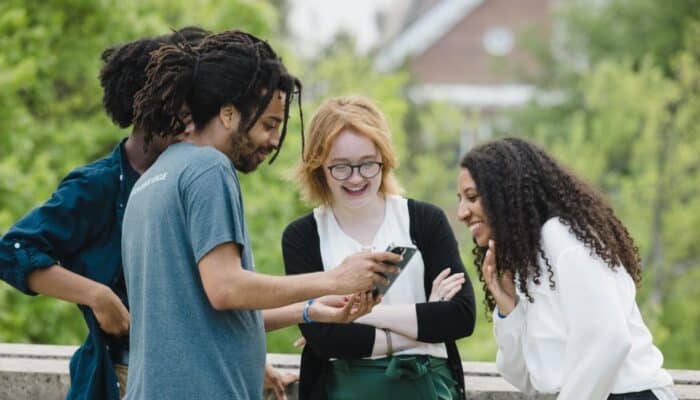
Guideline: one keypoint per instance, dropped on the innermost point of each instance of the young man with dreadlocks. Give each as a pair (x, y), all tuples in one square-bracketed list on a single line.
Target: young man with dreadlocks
[(69, 248), (559, 270), (187, 256)]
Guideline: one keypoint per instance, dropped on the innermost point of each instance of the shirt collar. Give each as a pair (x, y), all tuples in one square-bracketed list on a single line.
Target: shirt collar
[(127, 175)]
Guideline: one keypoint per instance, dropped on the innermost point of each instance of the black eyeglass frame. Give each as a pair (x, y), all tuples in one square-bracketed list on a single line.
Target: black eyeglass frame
[(359, 166)]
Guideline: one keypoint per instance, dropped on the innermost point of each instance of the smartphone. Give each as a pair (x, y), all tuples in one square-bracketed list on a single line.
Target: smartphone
[(405, 251)]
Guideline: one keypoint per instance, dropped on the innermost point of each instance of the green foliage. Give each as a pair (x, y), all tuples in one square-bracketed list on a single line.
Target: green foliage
[(681, 324), (629, 29), (51, 115)]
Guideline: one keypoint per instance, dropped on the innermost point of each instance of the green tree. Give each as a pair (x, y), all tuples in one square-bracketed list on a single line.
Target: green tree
[(51, 115)]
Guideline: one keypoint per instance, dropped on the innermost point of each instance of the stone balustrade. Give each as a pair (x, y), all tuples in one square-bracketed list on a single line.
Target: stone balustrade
[(40, 372)]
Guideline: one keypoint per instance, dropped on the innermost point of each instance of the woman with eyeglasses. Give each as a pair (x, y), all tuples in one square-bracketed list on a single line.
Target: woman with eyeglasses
[(405, 347)]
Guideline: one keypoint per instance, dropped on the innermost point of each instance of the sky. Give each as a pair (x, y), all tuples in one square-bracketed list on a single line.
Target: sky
[(313, 23)]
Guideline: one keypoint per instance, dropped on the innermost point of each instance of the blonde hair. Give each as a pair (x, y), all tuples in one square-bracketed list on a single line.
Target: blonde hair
[(359, 114)]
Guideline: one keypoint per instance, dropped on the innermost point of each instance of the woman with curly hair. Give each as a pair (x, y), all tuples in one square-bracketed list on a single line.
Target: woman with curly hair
[(559, 271)]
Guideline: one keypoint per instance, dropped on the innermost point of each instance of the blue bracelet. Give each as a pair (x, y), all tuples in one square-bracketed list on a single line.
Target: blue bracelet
[(305, 313)]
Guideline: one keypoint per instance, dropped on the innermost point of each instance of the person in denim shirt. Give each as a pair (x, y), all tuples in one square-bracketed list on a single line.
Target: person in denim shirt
[(70, 247)]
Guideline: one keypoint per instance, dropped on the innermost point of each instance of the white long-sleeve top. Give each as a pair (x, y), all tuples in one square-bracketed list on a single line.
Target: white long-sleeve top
[(584, 339)]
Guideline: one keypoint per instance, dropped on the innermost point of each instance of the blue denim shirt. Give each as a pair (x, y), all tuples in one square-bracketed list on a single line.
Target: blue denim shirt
[(79, 227)]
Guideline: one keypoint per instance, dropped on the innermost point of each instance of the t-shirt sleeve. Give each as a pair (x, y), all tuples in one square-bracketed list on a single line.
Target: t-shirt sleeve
[(213, 210)]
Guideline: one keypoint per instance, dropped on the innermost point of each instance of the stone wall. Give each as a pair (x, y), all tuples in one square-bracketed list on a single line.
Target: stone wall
[(40, 372)]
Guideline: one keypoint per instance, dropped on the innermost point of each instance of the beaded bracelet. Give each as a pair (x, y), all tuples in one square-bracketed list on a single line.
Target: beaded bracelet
[(305, 314)]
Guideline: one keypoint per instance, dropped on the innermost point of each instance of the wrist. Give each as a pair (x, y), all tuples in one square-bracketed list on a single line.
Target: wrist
[(95, 294), (506, 307), (329, 283), (305, 314), (389, 344), (314, 312)]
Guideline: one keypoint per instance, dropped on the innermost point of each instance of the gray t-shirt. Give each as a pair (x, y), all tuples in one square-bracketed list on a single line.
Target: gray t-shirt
[(186, 204)]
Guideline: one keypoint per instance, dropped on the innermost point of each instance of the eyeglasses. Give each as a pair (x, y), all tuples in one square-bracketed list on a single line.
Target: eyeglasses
[(367, 170)]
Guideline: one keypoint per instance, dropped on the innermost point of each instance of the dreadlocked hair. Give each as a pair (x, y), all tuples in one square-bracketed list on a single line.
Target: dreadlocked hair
[(231, 67), (124, 71), (521, 187)]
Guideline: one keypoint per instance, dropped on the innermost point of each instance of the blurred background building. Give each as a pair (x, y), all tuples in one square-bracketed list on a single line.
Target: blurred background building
[(466, 53)]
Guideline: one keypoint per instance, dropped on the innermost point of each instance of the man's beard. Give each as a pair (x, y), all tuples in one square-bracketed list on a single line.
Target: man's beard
[(245, 152)]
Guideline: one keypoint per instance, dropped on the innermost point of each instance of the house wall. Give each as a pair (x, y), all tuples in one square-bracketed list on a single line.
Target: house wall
[(459, 56)]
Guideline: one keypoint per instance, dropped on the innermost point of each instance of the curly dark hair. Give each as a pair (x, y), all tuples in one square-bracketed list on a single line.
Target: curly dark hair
[(124, 71), (521, 187), (231, 67)]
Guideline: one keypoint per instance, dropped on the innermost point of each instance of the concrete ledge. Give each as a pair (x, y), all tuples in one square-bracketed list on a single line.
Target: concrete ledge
[(33, 372)]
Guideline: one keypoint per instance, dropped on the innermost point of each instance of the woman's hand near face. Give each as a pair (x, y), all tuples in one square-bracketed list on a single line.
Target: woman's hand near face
[(446, 286), (501, 287)]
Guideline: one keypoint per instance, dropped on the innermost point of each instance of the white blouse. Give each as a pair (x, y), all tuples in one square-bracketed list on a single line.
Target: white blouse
[(408, 288), (586, 338)]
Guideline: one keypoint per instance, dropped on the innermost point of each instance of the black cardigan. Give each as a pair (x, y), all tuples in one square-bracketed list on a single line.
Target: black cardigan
[(438, 322)]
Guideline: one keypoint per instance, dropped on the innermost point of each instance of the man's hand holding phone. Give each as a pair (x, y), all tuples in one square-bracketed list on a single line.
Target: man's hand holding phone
[(363, 271), (406, 253)]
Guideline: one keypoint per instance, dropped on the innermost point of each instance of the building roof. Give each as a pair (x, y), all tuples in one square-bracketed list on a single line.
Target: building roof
[(424, 31)]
